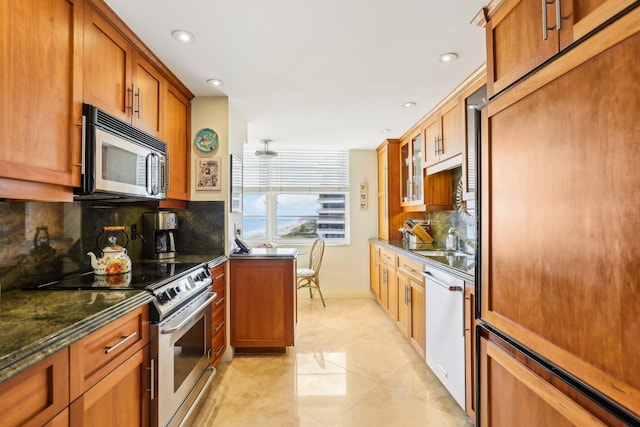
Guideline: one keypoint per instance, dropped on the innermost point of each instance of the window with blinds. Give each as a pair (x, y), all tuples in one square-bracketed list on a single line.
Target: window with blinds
[(296, 196)]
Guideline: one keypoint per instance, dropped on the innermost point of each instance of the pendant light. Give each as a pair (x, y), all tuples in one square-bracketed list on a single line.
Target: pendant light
[(266, 153)]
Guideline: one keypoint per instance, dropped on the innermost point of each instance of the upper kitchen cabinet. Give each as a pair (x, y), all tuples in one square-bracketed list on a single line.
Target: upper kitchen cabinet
[(444, 137), (41, 111), (118, 79), (391, 215), (411, 181), (523, 34), (176, 135)]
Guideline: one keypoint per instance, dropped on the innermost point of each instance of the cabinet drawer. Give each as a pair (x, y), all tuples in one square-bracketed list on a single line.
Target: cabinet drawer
[(37, 394), (100, 352), (218, 275), (410, 267), (388, 257)]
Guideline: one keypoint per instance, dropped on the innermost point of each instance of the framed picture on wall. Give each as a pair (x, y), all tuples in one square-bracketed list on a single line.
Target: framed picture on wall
[(208, 174), (236, 184)]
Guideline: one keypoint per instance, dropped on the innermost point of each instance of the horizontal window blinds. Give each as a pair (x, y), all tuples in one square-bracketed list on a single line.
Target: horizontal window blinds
[(297, 171)]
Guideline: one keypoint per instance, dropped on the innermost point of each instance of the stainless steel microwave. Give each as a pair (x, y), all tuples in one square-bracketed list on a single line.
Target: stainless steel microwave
[(119, 160)]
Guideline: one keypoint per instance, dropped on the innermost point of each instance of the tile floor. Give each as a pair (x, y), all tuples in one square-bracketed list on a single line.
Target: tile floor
[(351, 366)]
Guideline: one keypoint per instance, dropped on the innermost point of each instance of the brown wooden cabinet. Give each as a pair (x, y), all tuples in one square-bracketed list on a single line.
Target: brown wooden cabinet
[(177, 119), (390, 215), (263, 303), (41, 112), (470, 348), (109, 374), (411, 302), (411, 173), (517, 41), (118, 399), (219, 316), (118, 79), (374, 271), (517, 390), (36, 395), (561, 149), (444, 137), (388, 297)]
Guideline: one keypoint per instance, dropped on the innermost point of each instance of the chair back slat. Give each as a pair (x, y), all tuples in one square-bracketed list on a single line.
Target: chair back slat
[(315, 257)]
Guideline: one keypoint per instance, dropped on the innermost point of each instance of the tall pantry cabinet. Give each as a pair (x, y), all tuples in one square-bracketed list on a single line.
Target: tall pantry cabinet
[(559, 303)]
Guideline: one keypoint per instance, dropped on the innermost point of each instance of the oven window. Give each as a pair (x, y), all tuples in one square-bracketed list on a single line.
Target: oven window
[(187, 351)]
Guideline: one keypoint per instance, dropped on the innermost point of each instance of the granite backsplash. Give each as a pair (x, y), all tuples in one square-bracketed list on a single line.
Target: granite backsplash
[(41, 241)]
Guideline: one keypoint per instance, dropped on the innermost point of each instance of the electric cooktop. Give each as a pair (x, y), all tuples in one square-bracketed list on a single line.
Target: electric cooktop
[(143, 275)]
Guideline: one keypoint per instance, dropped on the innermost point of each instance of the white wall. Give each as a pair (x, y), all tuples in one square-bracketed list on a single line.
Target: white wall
[(217, 113), (345, 269)]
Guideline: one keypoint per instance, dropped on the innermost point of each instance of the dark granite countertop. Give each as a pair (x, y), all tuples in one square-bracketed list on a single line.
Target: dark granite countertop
[(35, 324), (461, 267), (267, 253)]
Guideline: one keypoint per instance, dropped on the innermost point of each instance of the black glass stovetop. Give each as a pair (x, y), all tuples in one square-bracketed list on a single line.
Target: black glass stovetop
[(143, 275)]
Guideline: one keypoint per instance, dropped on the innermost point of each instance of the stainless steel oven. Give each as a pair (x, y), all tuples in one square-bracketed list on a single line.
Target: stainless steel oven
[(181, 347), (181, 362)]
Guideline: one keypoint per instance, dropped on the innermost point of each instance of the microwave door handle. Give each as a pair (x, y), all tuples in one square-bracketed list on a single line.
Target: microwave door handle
[(151, 182), (84, 145)]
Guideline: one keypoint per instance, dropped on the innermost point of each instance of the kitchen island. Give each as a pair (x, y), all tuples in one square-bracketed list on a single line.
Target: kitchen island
[(263, 299)]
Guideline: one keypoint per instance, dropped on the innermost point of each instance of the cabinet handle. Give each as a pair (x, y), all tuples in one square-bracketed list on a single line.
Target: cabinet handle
[(559, 17), (152, 379), (219, 350), (220, 301), (137, 95), (219, 277), (220, 325), (130, 106), (123, 340), (545, 27)]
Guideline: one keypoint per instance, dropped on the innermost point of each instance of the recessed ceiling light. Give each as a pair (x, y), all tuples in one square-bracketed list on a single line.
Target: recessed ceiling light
[(183, 36), (385, 130), (215, 82), (408, 104), (447, 57)]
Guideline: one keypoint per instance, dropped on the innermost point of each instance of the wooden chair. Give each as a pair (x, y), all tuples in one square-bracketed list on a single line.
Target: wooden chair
[(309, 277)]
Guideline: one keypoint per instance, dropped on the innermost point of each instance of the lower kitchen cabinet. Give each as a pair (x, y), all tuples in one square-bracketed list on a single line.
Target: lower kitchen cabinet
[(37, 395), (262, 303), (118, 399), (374, 270), (109, 374), (516, 389), (219, 310), (411, 302), (470, 347)]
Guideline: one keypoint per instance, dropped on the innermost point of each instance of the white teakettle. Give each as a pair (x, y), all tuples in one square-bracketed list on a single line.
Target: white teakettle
[(114, 258)]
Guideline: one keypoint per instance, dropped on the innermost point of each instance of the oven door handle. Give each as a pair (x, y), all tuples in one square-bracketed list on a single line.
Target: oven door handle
[(204, 305)]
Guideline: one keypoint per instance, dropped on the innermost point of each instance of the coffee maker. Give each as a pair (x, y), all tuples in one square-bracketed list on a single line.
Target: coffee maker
[(159, 230)]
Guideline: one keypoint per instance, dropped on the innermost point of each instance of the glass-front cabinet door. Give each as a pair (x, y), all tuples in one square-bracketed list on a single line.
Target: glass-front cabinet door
[(411, 171)]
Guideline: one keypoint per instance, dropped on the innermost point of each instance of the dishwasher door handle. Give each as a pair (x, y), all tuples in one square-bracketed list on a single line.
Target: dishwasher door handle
[(451, 288)]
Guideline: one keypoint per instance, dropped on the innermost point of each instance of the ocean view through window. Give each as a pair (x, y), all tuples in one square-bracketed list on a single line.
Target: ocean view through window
[(296, 197)]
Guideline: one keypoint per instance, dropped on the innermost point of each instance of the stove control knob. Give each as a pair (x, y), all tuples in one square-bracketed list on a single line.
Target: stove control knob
[(163, 297), (172, 293)]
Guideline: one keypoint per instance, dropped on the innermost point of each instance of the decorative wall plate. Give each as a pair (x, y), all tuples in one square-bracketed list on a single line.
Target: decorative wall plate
[(206, 139)]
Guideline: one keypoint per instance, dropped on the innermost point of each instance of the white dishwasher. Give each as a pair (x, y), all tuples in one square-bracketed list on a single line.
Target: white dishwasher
[(445, 330)]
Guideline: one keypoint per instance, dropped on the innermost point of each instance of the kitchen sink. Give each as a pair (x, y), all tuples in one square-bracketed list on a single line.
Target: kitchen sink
[(443, 253)]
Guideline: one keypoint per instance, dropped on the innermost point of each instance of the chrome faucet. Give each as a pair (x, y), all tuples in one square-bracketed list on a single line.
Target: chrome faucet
[(454, 232)]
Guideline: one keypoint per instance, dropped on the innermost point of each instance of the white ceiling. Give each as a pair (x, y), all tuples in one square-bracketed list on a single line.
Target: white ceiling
[(309, 73)]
